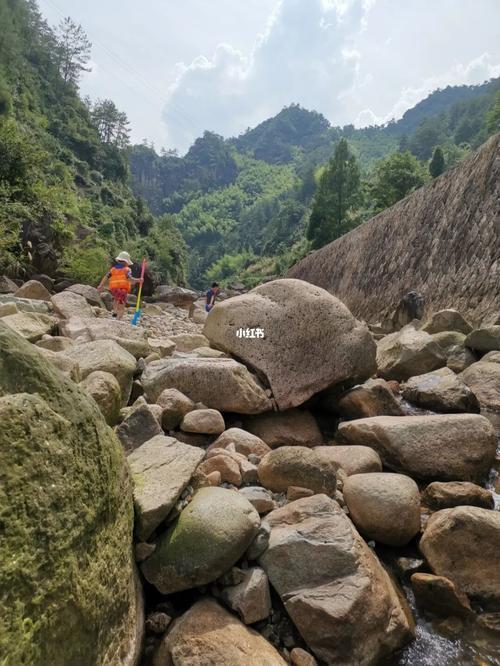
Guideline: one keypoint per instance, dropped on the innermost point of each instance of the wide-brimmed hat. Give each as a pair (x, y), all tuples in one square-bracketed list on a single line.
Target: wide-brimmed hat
[(124, 256)]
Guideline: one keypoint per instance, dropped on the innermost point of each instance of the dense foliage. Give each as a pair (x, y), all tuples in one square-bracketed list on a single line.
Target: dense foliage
[(65, 202)]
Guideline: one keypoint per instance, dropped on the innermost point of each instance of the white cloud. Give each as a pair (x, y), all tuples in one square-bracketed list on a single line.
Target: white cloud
[(361, 61)]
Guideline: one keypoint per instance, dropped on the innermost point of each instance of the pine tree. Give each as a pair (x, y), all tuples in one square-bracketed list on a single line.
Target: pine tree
[(437, 163), (73, 50), (336, 198)]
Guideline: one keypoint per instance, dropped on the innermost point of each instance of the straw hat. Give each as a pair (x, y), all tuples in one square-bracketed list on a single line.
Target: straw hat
[(124, 256)]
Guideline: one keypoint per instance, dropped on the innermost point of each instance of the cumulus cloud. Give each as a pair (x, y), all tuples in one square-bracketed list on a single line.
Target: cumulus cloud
[(361, 61)]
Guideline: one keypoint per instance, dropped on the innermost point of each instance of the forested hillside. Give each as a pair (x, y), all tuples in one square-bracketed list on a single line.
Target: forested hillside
[(251, 206), (65, 201)]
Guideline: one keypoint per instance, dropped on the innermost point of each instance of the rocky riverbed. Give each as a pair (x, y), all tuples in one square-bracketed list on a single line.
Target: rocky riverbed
[(275, 483)]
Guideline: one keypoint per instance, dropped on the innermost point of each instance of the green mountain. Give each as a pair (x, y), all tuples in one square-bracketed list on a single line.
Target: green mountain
[(243, 204), (65, 201)]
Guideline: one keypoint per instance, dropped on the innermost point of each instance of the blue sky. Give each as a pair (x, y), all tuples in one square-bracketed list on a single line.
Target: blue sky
[(178, 67)]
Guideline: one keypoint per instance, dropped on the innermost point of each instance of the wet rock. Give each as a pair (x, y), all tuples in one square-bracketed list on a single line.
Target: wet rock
[(259, 498), (484, 339), (67, 305), (441, 391), (138, 427), (462, 544), (220, 383), (345, 606), (407, 353), (33, 289), (29, 325), (210, 535), (208, 635), (352, 459), (105, 390), (251, 598), (175, 405), (244, 442), (204, 421), (295, 427), (456, 447), (456, 493), (297, 466), (384, 507), (447, 320), (373, 398), (161, 469), (440, 596), (311, 341)]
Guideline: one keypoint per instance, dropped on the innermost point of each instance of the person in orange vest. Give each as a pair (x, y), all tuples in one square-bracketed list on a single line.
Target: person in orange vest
[(120, 282)]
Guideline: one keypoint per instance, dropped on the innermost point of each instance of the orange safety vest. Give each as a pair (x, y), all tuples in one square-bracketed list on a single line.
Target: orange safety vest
[(119, 278)]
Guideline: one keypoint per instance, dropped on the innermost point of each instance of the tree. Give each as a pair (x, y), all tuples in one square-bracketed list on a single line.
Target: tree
[(396, 176), (493, 116), (112, 124), (73, 50), (336, 199), (437, 164)]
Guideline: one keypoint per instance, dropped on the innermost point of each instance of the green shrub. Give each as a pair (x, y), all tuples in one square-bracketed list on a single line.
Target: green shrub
[(85, 264)]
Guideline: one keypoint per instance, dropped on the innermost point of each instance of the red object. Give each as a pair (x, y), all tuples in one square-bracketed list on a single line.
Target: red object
[(119, 295)]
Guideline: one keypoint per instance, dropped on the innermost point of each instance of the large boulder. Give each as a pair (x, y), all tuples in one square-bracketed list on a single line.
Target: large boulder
[(67, 305), (442, 391), (140, 425), (178, 296), (90, 294), (175, 405), (297, 466), (458, 447), (161, 468), (440, 596), (132, 338), (295, 427), (105, 390), (208, 635), (204, 421), (219, 383), (69, 595), (407, 353), (33, 289), (108, 356), (29, 325), (373, 398), (188, 342), (352, 459), (210, 535), (244, 442), (463, 544), (333, 587), (483, 378), (27, 304), (310, 339), (384, 507), (66, 365), (458, 356), (484, 339), (7, 286), (55, 343), (447, 320), (440, 495)]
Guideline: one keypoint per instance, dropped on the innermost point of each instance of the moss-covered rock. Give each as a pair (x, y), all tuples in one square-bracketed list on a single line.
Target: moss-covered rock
[(66, 571)]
